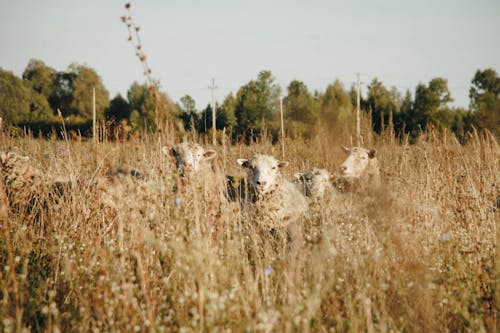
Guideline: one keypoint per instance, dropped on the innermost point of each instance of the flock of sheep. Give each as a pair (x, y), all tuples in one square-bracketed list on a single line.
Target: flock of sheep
[(263, 192), (266, 193)]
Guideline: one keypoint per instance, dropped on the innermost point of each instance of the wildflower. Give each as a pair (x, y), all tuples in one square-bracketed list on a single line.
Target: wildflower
[(268, 270), (61, 150), (177, 202)]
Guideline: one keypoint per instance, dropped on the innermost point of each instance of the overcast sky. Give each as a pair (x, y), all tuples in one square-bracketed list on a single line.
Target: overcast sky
[(189, 42)]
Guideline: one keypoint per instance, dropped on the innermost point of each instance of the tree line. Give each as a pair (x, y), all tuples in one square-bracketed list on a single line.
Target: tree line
[(43, 98)]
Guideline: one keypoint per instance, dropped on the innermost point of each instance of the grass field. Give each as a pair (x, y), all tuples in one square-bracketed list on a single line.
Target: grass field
[(419, 256)]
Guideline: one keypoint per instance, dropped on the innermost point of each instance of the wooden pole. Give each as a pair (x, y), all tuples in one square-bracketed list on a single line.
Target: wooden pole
[(214, 132), (282, 129), (358, 119), (94, 116)]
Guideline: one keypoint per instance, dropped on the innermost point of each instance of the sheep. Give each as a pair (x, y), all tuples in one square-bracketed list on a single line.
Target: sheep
[(124, 190), (26, 185), (315, 183), (190, 158), (275, 201), (200, 179), (361, 166)]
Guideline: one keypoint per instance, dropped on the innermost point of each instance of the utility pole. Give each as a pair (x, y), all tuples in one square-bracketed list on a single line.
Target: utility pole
[(94, 120), (282, 130), (358, 120), (214, 132)]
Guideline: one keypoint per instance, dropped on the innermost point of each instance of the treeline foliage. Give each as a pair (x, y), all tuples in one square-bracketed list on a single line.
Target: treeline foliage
[(256, 107), (36, 99), (44, 98)]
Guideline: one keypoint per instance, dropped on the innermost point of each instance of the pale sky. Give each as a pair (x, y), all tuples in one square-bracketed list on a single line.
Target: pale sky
[(189, 42)]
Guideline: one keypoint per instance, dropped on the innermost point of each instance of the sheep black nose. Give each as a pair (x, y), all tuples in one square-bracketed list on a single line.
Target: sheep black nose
[(261, 183)]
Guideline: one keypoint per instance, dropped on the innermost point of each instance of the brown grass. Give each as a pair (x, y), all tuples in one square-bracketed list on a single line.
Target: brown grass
[(417, 257)]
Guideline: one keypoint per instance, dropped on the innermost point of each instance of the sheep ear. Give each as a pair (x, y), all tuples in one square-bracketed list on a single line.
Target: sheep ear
[(345, 149), (243, 162), (282, 164), (371, 153), (209, 154)]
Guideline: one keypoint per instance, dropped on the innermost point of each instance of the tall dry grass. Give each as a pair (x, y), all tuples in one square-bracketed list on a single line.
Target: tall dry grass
[(419, 256)]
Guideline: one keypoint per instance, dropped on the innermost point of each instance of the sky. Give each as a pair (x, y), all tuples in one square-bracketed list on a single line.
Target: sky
[(189, 42)]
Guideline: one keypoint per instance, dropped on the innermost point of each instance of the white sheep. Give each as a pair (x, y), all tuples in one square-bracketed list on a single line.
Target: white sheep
[(362, 166), (190, 158), (275, 201), (315, 183), (24, 183)]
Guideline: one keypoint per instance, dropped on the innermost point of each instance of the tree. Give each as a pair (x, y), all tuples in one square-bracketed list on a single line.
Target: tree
[(85, 80), (19, 103), (144, 101), (40, 77), (62, 96), (257, 105), (39, 107), (14, 98), (189, 115), (118, 109), (382, 103), (226, 117), (142, 106), (336, 106), (301, 111), (485, 100), (430, 106)]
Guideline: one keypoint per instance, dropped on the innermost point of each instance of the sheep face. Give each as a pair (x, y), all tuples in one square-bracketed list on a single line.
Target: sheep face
[(263, 172), (314, 183), (189, 157), (357, 162)]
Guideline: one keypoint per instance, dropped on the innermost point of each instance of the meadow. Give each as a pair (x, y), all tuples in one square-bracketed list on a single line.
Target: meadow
[(417, 256)]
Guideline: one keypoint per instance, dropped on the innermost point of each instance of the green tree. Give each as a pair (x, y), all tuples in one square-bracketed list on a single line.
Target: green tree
[(14, 98), (402, 118), (336, 106), (142, 105), (257, 105), (118, 109), (226, 117), (85, 80), (301, 111), (144, 102), (485, 100), (40, 110), (19, 103), (62, 96), (382, 103), (205, 124), (40, 77), (430, 106), (188, 114)]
